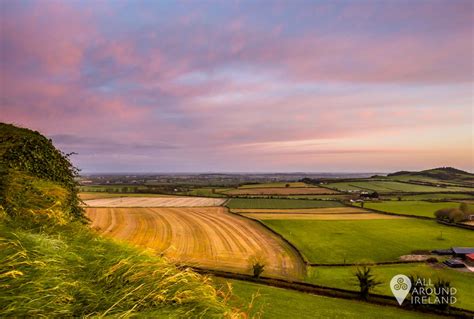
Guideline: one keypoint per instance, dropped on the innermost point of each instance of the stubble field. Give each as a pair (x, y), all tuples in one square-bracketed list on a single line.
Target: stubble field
[(169, 201), (201, 236)]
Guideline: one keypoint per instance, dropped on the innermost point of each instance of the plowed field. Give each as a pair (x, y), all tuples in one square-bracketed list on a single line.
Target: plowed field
[(202, 236)]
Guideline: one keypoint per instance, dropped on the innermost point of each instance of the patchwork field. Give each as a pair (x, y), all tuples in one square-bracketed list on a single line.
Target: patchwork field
[(96, 195), (202, 236), (278, 184), (415, 208), (260, 203), (318, 216), (281, 191), (276, 303), (346, 241), (392, 186), (165, 201), (440, 196), (343, 277), (330, 210)]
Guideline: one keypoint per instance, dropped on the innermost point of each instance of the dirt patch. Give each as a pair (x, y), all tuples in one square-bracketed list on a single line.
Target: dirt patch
[(415, 257), (207, 237)]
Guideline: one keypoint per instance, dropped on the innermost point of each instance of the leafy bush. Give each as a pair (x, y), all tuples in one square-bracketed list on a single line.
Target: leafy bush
[(367, 281), (25, 155)]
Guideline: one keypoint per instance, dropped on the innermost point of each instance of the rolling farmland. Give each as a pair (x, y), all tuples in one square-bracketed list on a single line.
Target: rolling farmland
[(415, 208), (330, 216), (331, 210), (168, 201), (393, 187), (346, 241), (201, 236), (281, 191), (260, 203)]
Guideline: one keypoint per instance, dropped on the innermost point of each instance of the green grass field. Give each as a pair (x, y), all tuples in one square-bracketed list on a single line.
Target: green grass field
[(440, 196), (327, 242), (343, 277), (392, 186), (415, 208), (279, 184), (206, 192), (275, 303), (280, 203)]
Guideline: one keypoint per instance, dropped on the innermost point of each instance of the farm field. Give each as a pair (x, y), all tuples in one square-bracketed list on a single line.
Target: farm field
[(260, 203), (329, 210), (95, 195), (162, 201), (113, 188), (206, 191), (276, 303), (346, 241), (318, 216), (202, 236), (440, 196), (343, 277), (281, 191), (392, 187), (415, 208), (279, 184)]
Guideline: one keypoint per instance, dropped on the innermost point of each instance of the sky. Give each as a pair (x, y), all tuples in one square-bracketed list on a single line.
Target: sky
[(243, 86)]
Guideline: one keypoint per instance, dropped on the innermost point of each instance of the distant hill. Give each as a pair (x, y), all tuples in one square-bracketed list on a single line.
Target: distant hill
[(441, 174)]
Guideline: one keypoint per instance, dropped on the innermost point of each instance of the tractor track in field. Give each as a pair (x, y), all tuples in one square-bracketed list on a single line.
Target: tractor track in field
[(209, 237)]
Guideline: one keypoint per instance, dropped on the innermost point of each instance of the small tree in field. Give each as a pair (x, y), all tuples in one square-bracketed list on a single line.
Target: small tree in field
[(257, 265), (258, 269), (367, 281)]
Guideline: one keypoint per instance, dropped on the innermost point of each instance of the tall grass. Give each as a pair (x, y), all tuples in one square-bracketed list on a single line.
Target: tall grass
[(67, 271)]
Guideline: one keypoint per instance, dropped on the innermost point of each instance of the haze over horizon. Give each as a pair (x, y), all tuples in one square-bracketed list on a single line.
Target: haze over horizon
[(244, 86)]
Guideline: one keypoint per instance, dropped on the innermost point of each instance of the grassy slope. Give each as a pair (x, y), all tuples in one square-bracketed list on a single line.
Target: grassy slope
[(69, 271), (279, 203), (343, 277), (368, 240), (275, 303), (437, 175), (416, 208), (52, 265)]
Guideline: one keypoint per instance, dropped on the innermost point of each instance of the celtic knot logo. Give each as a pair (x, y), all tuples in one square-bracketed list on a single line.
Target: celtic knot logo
[(400, 285)]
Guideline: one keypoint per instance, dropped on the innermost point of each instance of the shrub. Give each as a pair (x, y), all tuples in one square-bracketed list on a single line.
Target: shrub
[(258, 269), (442, 213), (367, 281), (456, 215)]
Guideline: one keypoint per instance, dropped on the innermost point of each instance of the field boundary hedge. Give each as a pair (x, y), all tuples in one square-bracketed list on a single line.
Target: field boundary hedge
[(370, 264), (331, 292), (456, 225)]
